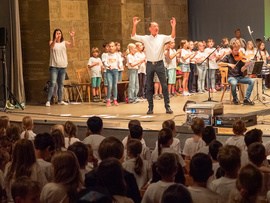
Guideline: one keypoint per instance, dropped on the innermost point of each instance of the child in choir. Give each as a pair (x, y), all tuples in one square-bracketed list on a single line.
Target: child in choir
[(167, 168), (200, 171), (239, 43), (176, 193), (133, 65), (185, 61), (265, 69), (250, 50), (136, 165), (121, 69), (25, 190), (71, 132), (225, 48), (170, 57), (208, 135), (211, 74), (191, 76), (239, 128), (248, 184), (194, 144), (229, 158), (95, 66), (201, 67), (165, 139), (142, 69), (213, 152), (112, 64), (28, 125), (104, 56)]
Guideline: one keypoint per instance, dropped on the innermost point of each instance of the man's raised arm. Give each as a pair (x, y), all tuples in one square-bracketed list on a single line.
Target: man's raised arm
[(173, 24), (135, 22)]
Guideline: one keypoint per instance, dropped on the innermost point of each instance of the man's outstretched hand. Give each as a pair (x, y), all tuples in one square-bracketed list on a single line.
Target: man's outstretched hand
[(135, 21)]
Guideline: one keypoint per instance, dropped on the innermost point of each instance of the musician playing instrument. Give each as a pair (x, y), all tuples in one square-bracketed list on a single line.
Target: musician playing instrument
[(236, 67)]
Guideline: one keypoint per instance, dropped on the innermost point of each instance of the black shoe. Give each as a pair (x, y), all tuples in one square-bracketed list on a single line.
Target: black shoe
[(150, 111), (248, 102), (236, 101), (192, 91), (169, 111)]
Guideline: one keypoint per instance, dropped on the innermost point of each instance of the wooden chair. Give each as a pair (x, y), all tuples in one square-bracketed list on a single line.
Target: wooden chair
[(82, 75), (224, 80)]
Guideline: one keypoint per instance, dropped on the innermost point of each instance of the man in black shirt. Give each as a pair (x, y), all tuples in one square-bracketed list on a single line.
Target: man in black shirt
[(235, 74)]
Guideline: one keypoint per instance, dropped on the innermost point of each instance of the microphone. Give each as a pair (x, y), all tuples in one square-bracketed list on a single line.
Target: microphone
[(250, 32), (267, 39)]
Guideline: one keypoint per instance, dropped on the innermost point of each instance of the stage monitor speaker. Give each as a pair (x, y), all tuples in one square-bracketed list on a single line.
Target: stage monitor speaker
[(3, 36)]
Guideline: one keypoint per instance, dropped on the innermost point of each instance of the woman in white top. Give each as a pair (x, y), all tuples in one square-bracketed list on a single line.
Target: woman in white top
[(58, 63), (23, 164), (71, 132)]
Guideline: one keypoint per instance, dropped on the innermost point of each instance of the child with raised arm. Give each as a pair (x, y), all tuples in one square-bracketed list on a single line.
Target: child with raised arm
[(133, 65), (28, 125), (170, 57), (95, 66), (201, 67), (142, 69), (121, 69), (104, 56), (112, 64)]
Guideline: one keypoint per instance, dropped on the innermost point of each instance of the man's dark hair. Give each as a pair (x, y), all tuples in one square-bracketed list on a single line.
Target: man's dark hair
[(208, 134), (44, 140), (95, 124)]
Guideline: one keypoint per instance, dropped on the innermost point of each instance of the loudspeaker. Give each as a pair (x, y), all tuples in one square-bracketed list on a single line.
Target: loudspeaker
[(3, 36)]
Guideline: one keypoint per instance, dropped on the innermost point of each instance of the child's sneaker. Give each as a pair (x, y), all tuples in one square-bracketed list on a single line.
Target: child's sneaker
[(108, 103), (213, 90), (62, 103), (48, 104), (115, 103)]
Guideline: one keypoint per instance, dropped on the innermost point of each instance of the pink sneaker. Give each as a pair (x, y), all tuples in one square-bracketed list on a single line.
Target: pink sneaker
[(108, 103), (213, 90), (115, 103)]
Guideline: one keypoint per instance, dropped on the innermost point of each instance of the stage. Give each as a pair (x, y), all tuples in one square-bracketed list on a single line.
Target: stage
[(116, 118)]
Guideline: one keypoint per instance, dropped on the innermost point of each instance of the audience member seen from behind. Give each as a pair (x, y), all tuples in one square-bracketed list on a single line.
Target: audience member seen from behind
[(81, 152), (94, 129), (112, 147), (13, 133), (136, 165), (28, 126), (248, 184), (23, 164), (229, 158), (194, 144), (213, 152), (167, 167), (208, 135), (59, 140), (71, 133), (176, 193), (44, 146), (200, 171), (110, 175), (58, 127), (66, 179), (25, 190), (4, 123), (239, 128)]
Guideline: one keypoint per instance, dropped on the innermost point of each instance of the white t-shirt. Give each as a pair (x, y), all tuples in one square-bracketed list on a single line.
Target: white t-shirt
[(154, 45), (131, 59), (53, 192), (46, 167), (244, 158), (154, 192), (204, 149), (96, 70), (103, 59), (121, 61), (70, 141), (140, 56), (204, 195), (192, 146), (238, 141), (145, 176), (113, 60), (94, 140), (224, 51), (212, 62), (171, 63), (223, 186), (175, 145), (154, 155), (58, 55), (201, 55), (31, 135), (250, 54), (184, 53)]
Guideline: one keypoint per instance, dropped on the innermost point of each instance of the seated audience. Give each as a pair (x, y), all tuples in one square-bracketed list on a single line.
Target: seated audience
[(239, 128), (208, 135), (213, 152), (59, 140), (28, 126), (176, 193), (71, 132)]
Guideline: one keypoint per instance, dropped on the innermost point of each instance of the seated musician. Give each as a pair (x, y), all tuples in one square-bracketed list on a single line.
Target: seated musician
[(235, 74)]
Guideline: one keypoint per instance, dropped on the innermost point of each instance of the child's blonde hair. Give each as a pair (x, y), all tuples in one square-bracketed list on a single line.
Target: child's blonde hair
[(129, 46), (182, 43), (247, 46), (58, 127), (95, 49), (27, 124)]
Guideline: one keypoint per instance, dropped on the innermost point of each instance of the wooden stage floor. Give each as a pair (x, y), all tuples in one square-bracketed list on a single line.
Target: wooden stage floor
[(118, 117)]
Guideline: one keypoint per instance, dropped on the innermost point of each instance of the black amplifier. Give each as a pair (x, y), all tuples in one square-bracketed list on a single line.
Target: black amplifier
[(226, 120)]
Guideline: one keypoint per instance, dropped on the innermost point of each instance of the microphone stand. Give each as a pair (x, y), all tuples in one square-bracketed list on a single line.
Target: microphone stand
[(208, 75)]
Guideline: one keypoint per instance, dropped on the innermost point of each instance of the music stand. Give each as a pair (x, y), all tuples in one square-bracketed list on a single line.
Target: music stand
[(257, 70)]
